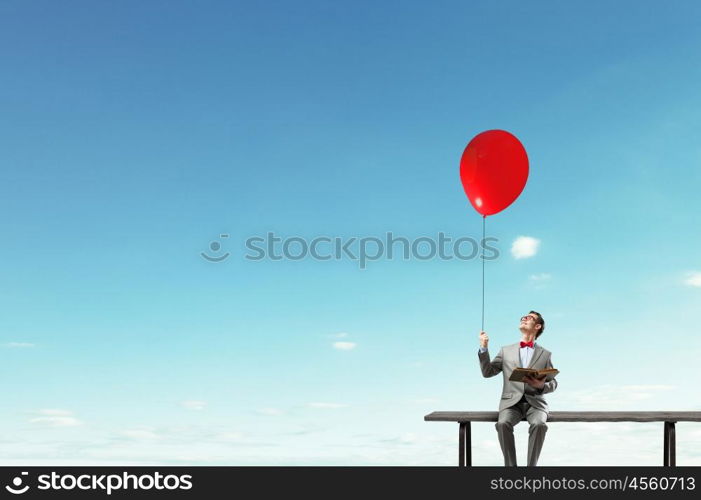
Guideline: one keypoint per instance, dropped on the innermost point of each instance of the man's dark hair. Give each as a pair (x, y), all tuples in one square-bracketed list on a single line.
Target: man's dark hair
[(539, 321)]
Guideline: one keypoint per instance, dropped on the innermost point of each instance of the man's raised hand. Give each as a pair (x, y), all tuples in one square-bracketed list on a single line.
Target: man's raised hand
[(484, 339)]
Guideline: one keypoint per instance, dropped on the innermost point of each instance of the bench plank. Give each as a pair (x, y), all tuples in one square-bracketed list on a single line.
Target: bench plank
[(573, 416)]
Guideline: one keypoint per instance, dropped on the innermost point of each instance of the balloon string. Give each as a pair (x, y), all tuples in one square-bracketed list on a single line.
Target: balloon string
[(484, 219)]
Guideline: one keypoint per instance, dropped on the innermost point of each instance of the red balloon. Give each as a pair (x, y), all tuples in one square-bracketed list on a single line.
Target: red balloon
[(493, 170)]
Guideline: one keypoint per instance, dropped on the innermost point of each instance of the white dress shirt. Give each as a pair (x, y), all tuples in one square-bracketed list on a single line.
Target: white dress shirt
[(526, 353)]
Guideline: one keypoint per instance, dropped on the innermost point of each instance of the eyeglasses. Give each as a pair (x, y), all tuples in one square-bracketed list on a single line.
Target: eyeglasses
[(526, 318)]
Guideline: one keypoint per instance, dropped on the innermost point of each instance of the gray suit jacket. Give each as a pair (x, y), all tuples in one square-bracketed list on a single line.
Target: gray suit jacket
[(505, 362)]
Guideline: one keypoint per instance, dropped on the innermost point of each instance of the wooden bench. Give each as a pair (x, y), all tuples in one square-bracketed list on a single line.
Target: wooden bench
[(464, 418)]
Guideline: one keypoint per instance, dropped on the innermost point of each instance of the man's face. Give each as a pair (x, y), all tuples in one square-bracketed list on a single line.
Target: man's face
[(529, 322)]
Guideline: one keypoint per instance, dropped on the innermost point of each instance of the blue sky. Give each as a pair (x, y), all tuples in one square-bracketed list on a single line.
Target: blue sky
[(133, 135)]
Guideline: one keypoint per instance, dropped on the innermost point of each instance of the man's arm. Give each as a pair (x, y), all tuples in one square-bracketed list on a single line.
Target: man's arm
[(541, 387), (548, 386), (493, 367)]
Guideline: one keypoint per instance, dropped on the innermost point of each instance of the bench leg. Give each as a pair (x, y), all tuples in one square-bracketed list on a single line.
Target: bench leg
[(665, 446), (670, 445), (465, 445), (468, 447)]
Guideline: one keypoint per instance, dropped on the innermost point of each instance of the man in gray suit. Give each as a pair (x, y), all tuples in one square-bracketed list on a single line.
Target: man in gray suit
[(519, 399)]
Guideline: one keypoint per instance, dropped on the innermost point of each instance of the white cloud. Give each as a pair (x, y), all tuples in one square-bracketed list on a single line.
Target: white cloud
[(193, 405), (57, 421), (608, 397), (327, 405), (56, 418), (344, 443), (344, 346), (524, 247), (693, 279), (407, 438), (230, 436), (55, 412), (270, 412), (140, 434), (339, 335), (20, 344)]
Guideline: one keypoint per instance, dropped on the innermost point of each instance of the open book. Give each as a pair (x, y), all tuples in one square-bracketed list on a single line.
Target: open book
[(518, 374)]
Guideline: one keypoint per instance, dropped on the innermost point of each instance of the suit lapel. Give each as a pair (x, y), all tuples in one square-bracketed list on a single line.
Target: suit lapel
[(537, 351), (517, 354)]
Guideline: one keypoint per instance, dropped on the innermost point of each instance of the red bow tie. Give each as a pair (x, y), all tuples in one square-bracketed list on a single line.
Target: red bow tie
[(527, 344)]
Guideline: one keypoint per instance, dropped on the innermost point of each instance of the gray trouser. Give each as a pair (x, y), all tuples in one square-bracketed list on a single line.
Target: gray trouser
[(508, 417)]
